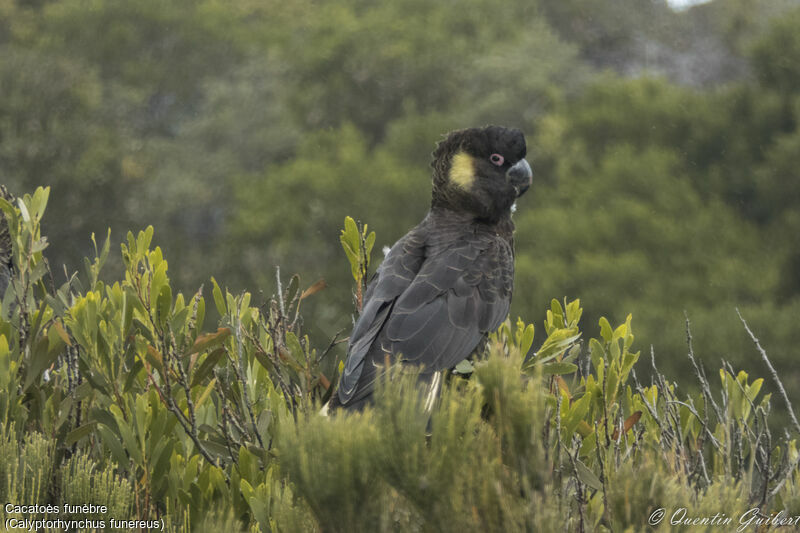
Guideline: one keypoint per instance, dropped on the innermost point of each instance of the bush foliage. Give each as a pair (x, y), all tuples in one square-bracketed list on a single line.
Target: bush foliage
[(124, 394), (664, 143)]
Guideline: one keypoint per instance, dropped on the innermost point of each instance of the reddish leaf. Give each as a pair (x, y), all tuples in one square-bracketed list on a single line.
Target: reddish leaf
[(62, 332), (204, 342), (632, 420), (315, 288), (628, 424), (563, 386), (325, 381), (155, 359), (584, 429)]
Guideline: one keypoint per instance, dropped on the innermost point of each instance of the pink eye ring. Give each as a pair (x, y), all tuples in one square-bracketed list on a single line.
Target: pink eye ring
[(496, 159)]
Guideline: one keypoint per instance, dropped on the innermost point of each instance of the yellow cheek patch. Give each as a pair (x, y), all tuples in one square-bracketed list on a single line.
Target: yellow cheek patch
[(462, 170)]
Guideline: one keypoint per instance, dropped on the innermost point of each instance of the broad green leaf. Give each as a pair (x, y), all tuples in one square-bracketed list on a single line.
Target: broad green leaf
[(526, 341), (559, 368), (464, 367), (114, 445), (295, 348), (369, 242), (588, 477), (219, 301), (555, 344), (126, 433), (605, 329), (78, 433), (205, 392), (207, 366)]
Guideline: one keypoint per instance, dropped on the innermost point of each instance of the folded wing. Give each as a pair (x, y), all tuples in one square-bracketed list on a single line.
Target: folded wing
[(431, 302)]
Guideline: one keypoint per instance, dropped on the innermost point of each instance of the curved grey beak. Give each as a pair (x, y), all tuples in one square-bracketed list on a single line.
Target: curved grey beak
[(520, 176)]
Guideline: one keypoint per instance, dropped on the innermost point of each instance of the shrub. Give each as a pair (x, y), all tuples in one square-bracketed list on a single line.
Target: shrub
[(117, 394)]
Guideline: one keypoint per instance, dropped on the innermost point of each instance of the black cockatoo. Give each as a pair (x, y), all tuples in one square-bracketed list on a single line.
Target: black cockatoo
[(448, 281)]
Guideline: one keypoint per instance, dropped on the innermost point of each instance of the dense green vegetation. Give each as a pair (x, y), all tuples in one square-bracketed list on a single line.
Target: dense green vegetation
[(665, 144), (666, 153), (124, 395)]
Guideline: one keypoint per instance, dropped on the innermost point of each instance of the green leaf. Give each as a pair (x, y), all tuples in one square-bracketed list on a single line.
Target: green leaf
[(558, 313), (464, 367), (140, 420), (263, 359), (10, 212), (160, 461), (208, 364), (41, 358), (143, 329), (78, 433), (178, 320), (754, 388), (559, 368), (605, 329), (206, 392), (574, 312), (612, 384), (572, 354), (555, 344), (157, 427), (295, 348), (350, 240), (158, 281), (126, 433), (586, 476), (39, 201), (39, 245), (164, 303), (64, 408), (597, 353), (144, 239), (526, 341), (219, 301), (114, 445), (201, 314), (576, 412), (23, 209), (369, 242)]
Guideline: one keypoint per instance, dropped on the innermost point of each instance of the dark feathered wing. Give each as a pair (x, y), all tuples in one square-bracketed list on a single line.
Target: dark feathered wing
[(439, 291), (392, 278)]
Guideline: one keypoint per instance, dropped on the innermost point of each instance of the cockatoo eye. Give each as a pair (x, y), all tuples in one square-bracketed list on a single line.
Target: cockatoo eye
[(496, 159)]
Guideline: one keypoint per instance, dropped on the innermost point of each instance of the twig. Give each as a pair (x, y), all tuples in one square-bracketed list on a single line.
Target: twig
[(605, 401), (280, 291), (772, 371), (701, 376), (334, 341), (169, 401), (692, 410), (240, 371), (787, 474), (603, 480), (580, 497)]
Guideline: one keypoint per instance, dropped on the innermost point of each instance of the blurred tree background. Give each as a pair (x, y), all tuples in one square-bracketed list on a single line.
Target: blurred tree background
[(665, 145)]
